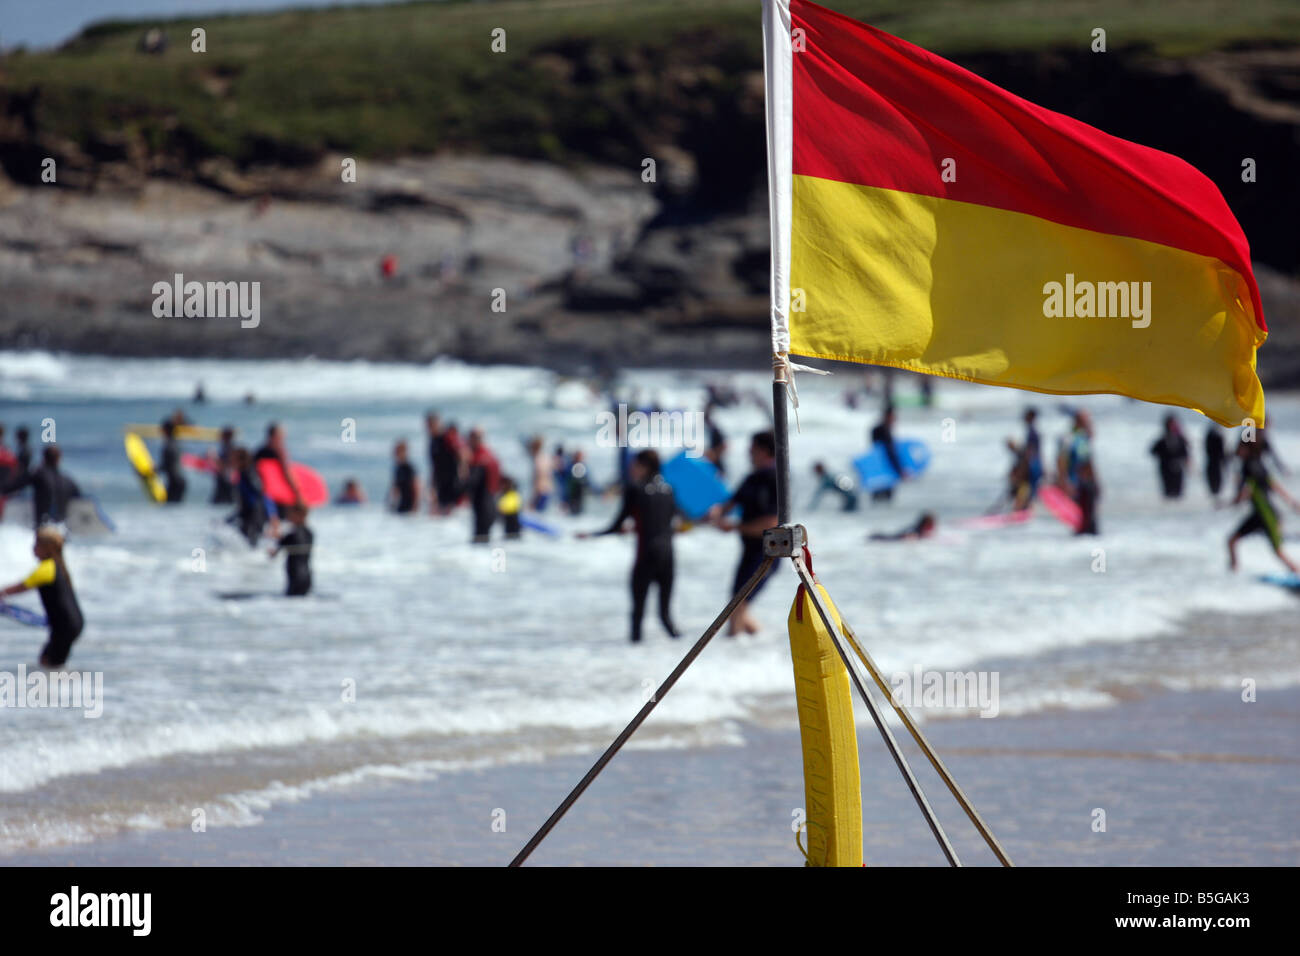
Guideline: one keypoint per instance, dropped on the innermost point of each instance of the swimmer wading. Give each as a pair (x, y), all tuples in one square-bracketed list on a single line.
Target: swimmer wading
[(919, 216)]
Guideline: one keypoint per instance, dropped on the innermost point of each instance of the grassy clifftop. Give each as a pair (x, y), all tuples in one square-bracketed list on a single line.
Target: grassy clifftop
[(579, 78)]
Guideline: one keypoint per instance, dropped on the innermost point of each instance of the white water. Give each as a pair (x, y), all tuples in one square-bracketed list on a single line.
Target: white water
[(461, 661)]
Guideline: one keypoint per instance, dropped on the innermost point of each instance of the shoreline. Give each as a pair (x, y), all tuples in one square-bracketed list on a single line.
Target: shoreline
[(1208, 782)]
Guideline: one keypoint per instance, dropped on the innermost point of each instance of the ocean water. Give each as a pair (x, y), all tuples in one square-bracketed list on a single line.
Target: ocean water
[(425, 655)]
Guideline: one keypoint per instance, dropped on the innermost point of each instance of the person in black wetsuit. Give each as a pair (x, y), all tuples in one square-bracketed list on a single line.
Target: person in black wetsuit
[(404, 494), (296, 543), (922, 527), (649, 503), (883, 433), (757, 499), (254, 507), (445, 457), (1171, 452), (1215, 455), (274, 448), (482, 483), (60, 601), (22, 450), (170, 464), (223, 489), (51, 489)]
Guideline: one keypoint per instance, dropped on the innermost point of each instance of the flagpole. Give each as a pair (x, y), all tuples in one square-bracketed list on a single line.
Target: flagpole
[(781, 428)]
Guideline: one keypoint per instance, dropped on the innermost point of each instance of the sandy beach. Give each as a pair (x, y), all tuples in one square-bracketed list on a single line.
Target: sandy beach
[(1186, 779)]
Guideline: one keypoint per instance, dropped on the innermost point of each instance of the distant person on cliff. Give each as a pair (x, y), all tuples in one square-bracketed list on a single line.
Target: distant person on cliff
[(483, 482), (404, 493), (1215, 456), (51, 489), (170, 464), (1171, 454), (1256, 486), (757, 499)]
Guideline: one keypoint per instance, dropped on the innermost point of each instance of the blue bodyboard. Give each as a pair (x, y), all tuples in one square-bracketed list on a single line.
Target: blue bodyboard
[(696, 485), (23, 616), (877, 473), (1289, 581)]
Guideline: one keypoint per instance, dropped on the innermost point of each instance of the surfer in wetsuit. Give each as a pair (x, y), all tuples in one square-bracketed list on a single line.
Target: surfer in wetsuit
[(223, 489), (509, 504), (296, 544), (170, 463), (51, 489), (274, 449), (757, 499), (577, 483), (841, 485), (482, 484), (8, 467), (883, 434), (254, 506), (1215, 454), (445, 457), (54, 586), (1171, 452), (22, 449), (1027, 469), (404, 495), (1256, 485), (649, 503), (1081, 473), (923, 527)]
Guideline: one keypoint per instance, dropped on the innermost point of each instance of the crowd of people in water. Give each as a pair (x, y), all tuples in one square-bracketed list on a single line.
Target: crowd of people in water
[(464, 473)]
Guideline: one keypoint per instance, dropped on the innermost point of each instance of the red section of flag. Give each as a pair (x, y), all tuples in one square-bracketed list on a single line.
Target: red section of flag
[(874, 110)]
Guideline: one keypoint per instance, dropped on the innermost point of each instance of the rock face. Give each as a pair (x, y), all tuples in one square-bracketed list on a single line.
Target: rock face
[(483, 253), (494, 259)]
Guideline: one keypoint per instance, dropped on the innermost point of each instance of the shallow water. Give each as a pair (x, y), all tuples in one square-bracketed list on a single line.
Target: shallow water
[(466, 656)]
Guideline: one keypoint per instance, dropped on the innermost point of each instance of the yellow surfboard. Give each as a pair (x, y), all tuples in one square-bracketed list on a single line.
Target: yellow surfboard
[(183, 432), (138, 455)]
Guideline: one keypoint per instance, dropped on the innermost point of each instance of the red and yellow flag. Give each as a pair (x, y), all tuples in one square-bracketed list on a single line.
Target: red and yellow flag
[(925, 219)]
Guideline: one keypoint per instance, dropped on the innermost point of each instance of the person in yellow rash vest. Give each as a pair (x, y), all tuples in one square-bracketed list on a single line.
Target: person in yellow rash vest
[(509, 505), (52, 582)]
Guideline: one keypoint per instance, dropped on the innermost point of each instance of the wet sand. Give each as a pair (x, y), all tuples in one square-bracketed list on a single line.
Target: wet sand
[(1185, 779)]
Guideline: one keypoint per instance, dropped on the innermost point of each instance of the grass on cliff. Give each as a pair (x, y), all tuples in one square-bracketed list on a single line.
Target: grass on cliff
[(579, 76)]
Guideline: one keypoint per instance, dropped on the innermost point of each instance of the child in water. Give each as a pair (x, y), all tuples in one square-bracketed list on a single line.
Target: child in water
[(52, 582), (509, 505), (296, 543)]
